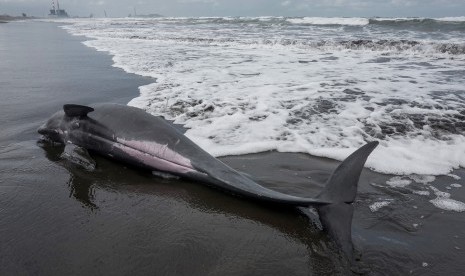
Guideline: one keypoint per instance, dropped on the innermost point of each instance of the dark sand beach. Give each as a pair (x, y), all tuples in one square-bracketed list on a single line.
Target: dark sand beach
[(58, 219), (7, 18)]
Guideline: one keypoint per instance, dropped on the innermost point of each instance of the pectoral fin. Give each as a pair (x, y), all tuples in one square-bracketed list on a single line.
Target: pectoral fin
[(78, 156)]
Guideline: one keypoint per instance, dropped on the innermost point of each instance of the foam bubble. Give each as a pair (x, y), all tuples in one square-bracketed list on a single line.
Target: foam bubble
[(448, 204), (438, 193), (444, 202), (378, 205), (398, 182), (456, 177), (423, 179), (423, 193)]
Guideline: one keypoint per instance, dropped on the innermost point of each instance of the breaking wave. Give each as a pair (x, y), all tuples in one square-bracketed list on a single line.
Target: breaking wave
[(313, 85), (382, 45)]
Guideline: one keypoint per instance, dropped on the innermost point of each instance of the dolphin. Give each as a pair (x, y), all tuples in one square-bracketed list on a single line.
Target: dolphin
[(133, 136)]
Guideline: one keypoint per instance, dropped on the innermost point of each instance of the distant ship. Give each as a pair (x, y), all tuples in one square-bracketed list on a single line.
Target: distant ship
[(57, 12)]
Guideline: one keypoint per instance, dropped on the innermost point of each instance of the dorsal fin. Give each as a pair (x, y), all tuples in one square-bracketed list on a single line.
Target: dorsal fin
[(75, 110)]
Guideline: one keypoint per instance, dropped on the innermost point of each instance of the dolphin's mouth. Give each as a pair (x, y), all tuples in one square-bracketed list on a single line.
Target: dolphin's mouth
[(49, 134), (42, 130)]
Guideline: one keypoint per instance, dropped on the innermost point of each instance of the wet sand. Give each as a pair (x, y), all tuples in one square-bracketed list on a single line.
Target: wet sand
[(7, 18), (58, 219)]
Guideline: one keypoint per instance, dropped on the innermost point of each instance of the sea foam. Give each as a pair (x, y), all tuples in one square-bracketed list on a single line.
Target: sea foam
[(330, 21), (378, 205), (246, 85), (448, 204)]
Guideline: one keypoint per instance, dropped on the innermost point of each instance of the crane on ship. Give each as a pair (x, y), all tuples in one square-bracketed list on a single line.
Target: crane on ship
[(57, 12)]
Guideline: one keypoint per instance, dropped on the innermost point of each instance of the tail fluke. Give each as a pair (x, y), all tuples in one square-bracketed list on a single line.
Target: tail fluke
[(341, 189)]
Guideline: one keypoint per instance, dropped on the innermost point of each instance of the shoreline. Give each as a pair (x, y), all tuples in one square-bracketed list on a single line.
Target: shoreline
[(59, 219), (8, 18)]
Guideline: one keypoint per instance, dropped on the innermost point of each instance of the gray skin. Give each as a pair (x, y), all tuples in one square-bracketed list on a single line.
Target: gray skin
[(132, 136)]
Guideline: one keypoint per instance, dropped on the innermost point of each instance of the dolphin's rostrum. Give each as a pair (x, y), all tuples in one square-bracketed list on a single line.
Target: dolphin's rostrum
[(133, 136)]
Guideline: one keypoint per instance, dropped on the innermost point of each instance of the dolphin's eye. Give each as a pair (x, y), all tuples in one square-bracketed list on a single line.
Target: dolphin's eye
[(75, 125)]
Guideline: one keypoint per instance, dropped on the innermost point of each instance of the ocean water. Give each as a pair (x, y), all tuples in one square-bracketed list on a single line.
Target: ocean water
[(323, 86)]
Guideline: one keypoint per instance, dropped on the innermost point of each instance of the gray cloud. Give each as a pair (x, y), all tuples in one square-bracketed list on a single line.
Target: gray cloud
[(367, 8)]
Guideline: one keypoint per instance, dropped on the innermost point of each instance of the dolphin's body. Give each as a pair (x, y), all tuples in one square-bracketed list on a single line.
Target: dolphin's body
[(133, 136)]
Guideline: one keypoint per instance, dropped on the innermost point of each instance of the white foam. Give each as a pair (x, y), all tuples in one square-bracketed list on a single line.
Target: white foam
[(452, 19), (444, 202), (438, 193), (397, 18), (423, 179), (456, 185), (423, 193), (244, 90), (442, 19), (378, 205), (350, 21), (448, 204), (398, 182), (456, 177)]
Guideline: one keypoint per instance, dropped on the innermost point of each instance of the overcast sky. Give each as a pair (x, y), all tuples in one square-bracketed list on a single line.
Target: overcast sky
[(347, 8)]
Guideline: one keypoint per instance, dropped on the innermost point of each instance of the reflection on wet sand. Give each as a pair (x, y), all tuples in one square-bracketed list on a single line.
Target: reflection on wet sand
[(300, 226)]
